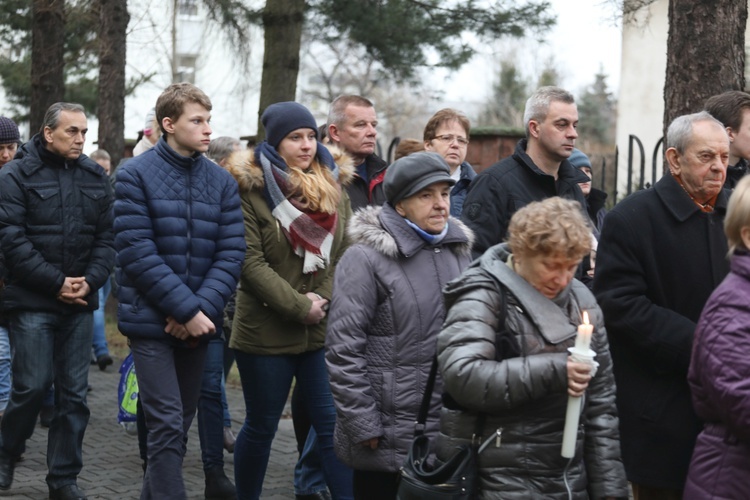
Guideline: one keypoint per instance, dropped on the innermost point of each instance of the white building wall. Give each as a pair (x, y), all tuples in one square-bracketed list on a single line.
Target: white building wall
[(234, 94), (641, 97)]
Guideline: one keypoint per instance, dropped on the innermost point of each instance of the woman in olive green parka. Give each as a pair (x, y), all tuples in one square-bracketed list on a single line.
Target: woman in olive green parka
[(295, 214)]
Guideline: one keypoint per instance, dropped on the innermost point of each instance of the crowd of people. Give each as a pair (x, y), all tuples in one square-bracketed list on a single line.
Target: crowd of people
[(326, 272)]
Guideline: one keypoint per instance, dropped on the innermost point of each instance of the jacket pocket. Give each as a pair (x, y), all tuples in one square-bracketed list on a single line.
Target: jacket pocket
[(93, 202), (44, 204)]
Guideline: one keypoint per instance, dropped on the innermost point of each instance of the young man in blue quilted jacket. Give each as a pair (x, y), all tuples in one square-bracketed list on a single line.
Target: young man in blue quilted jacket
[(179, 237)]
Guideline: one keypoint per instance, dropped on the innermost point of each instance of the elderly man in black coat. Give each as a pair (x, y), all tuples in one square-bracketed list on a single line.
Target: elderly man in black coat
[(661, 253)]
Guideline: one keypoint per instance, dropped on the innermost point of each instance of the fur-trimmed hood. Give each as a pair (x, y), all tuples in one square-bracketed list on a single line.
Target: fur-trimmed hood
[(249, 175), (383, 229)]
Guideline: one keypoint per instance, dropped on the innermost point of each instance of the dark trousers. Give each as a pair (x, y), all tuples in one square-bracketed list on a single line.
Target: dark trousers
[(50, 347), (169, 383), (375, 485), (643, 492)]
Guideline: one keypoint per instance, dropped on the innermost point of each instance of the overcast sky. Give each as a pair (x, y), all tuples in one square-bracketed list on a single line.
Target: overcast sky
[(585, 38)]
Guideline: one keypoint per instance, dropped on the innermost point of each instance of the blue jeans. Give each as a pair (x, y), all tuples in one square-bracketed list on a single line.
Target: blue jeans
[(308, 473), (4, 368), (211, 408), (266, 381), (49, 346), (169, 385), (100, 338)]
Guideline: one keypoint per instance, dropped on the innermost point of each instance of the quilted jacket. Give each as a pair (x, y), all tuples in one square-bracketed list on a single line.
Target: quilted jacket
[(179, 239), (55, 221), (524, 393), (386, 311), (271, 302), (718, 381)]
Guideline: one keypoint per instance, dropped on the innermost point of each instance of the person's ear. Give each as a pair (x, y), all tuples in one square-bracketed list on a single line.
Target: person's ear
[(400, 209), (534, 128), (673, 159), (47, 135), (168, 124), (731, 134), (745, 235), (333, 133)]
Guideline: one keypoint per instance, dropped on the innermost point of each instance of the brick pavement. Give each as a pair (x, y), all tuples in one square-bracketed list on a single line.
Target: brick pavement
[(111, 464)]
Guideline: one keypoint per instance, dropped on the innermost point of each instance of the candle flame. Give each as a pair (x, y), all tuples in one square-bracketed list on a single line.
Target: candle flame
[(585, 317)]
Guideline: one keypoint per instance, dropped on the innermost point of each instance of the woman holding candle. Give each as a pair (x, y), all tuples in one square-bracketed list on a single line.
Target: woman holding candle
[(718, 374), (513, 366)]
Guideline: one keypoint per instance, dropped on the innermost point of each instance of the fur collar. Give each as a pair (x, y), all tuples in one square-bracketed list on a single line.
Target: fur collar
[(249, 175), (385, 231)]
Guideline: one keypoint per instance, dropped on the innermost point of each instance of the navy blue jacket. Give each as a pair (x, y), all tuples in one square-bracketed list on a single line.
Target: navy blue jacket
[(180, 240), (458, 193), (55, 222)]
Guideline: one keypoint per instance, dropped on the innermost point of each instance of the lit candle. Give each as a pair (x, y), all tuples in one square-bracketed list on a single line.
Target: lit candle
[(580, 353), (585, 330)]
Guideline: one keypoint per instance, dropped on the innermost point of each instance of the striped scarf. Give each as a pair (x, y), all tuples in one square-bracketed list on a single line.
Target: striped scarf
[(309, 233)]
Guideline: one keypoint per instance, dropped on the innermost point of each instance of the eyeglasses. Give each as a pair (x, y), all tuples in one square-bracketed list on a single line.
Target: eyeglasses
[(449, 138)]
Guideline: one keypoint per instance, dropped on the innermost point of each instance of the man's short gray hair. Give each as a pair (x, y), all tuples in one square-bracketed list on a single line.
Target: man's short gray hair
[(100, 154), (537, 106), (336, 113), (52, 116), (221, 147), (680, 131)]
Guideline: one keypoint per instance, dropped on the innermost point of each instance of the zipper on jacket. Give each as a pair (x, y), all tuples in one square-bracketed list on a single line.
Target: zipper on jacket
[(189, 216), (497, 436), (278, 230)]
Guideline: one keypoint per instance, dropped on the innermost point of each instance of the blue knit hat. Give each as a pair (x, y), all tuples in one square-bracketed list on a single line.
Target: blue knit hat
[(8, 131), (281, 118), (578, 159)]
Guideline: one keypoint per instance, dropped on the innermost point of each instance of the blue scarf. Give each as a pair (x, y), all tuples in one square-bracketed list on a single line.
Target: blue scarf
[(432, 239)]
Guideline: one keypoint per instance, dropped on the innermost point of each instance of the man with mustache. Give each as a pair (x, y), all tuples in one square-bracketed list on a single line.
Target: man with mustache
[(661, 253), (56, 232), (538, 169)]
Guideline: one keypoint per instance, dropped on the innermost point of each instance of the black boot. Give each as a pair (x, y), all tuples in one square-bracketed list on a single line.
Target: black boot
[(7, 464), (218, 485)]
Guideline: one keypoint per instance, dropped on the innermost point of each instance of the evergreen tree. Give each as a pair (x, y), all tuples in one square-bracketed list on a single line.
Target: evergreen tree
[(597, 113), (509, 94)]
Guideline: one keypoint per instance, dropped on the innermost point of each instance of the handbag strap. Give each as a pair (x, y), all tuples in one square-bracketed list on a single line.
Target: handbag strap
[(425, 406)]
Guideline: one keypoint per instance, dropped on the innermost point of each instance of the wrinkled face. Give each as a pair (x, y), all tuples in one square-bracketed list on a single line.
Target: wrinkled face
[(429, 208), (740, 139), (67, 138), (703, 165), (451, 141), (191, 132), (7, 152), (357, 134), (585, 186), (298, 148), (556, 134), (548, 274)]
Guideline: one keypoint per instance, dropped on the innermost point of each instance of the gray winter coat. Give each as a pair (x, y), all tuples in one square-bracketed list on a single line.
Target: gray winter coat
[(524, 394), (386, 312)]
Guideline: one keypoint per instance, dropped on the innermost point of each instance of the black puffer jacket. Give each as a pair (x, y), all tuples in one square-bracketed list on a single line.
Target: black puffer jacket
[(512, 183), (364, 193), (55, 222), (525, 393)]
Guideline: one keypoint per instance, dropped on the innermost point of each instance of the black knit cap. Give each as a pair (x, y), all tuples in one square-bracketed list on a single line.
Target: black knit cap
[(281, 118), (8, 131), (411, 174)]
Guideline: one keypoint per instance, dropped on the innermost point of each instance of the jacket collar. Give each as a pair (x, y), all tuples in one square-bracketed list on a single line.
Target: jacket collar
[(546, 314), (383, 229), (35, 149), (164, 150), (677, 201), (566, 172)]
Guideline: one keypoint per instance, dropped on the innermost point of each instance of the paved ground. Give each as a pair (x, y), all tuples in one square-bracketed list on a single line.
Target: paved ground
[(112, 467)]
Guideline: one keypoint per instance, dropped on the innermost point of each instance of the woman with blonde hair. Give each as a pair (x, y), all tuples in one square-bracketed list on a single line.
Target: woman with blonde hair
[(719, 370), (503, 356), (295, 218)]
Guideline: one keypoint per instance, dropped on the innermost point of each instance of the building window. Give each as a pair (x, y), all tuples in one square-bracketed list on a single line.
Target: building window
[(186, 68), (187, 8)]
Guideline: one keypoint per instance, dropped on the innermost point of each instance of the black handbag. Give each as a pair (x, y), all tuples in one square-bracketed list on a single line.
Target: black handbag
[(454, 479)]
